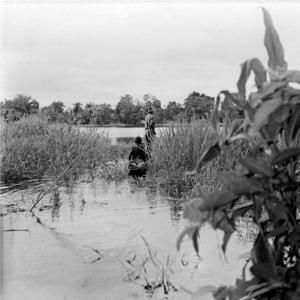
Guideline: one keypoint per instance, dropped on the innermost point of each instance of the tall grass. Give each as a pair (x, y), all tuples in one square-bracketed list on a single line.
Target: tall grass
[(176, 151), (32, 148)]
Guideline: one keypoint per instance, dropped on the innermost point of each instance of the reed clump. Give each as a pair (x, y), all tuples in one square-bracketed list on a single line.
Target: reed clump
[(150, 270), (33, 148), (177, 150)]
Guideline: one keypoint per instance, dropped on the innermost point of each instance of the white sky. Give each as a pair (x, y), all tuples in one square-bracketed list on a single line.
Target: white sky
[(97, 52)]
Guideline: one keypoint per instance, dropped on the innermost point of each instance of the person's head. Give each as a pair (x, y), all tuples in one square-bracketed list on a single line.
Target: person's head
[(150, 110), (138, 140)]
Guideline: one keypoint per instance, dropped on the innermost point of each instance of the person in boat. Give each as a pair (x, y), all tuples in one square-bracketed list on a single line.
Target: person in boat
[(137, 158), (149, 128)]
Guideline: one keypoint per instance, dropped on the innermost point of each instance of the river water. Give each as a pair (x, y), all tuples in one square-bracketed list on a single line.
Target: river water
[(83, 242), (122, 133)]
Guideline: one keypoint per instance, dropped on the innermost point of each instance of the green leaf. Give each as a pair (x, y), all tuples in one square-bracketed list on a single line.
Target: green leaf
[(273, 44), (193, 232), (259, 168), (226, 238), (276, 122), (187, 231), (257, 67), (222, 292), (259, 71), (254, 98), (245, 256), (293, 126), (291, 94), (294, 236), (216, 218), (220, 221), (260, 251), (281, 114), (241, 84), (292, 76), (198, 192), (267, 289), (240, 184), (250, 111), (193, 209), (279, 215), (262, 115), (255, 287), (232, 98), (203, 290), (195, 240), (208, 155), (240, 210), (268, 89), (241, 103), (240, 290), (264, 271), (278, 232), (194, 212), (285, 155), (270, 131), (218, 199), (236, 127)]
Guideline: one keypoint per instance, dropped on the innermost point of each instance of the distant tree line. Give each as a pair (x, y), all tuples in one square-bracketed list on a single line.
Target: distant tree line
[(128, 111)]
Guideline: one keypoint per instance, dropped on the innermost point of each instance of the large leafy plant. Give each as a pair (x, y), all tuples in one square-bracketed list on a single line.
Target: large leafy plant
[(267, 187)]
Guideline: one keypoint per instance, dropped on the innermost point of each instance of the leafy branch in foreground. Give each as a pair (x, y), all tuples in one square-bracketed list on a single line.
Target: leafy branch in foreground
[(268, 185)]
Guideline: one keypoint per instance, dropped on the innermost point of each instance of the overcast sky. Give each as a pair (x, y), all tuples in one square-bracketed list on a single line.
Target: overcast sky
[(97, 52)]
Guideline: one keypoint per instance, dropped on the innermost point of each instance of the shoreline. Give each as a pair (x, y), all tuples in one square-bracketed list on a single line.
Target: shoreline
[(119, 125)]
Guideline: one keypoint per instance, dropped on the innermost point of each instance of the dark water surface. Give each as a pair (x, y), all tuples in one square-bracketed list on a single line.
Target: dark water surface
[(81, 246)]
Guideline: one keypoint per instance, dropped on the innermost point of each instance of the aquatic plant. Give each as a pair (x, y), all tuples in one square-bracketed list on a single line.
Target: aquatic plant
[(121, 149), (177, 149), (149, 270), (268, 179), (33, 148), (113, 170)]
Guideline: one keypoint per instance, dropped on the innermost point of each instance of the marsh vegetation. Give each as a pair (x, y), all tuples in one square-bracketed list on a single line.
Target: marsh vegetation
[(34, 149)]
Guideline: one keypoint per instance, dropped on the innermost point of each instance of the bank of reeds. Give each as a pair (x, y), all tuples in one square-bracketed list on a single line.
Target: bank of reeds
[(33, 148), (176, 151)]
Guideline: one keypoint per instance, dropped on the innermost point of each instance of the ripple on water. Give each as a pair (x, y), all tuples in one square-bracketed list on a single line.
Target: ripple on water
[(109, 217)]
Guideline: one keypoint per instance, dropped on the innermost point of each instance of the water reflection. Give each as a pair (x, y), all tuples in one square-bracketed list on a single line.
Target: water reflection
[(56, 204), (86, 227), (176, 207)]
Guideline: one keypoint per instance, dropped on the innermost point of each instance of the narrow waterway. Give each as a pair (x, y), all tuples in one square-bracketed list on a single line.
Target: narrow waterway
[(79, 248), (121, 133)]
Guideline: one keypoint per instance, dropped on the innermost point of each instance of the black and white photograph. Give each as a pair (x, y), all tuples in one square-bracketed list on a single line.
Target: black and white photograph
[(149, 150)]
